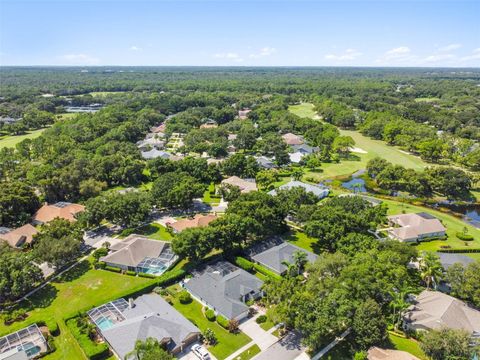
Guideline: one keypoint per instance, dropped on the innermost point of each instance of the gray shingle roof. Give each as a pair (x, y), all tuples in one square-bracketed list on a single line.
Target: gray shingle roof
[(448, 260), (222, 286), (321, 192), (150, 317), (274, 252)]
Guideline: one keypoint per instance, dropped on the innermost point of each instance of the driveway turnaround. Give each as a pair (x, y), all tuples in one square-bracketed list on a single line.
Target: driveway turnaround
[(288, 348), (262, 338)]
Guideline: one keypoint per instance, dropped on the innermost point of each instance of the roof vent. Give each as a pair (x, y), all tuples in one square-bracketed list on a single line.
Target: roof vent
[(131, 304)]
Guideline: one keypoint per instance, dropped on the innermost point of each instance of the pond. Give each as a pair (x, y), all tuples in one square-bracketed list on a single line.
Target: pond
[(471, 213)]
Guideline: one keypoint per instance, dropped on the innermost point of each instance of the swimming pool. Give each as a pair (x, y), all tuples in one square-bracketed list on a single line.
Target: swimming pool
[(105, 323)]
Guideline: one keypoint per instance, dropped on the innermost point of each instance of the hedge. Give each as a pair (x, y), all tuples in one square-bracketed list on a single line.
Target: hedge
[(261, 319), (185, 297), (92, 350), (222, 321), (170, 277), (210, 315), (464, 237), (244, 263), (145, 275), (131, 273), (266, 272), (459, 251), (113, 269)]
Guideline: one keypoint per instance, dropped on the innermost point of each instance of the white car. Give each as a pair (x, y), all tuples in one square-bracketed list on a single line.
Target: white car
[(201, 352)]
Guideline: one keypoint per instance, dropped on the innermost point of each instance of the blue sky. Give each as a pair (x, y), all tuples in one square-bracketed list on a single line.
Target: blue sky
[(241, 33)]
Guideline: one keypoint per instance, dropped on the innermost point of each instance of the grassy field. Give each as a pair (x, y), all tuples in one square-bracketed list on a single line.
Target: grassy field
[(409, 345), (359, 160), (227, 343), (66, 116), (11, 141), (452, 224), (155, 231), (77, 290), (249, 353), (104, 93)]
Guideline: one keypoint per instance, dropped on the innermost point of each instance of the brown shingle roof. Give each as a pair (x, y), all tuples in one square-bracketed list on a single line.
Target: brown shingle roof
[(376, 353), (244, 185), (198, 221), (65, 211), (292, 139), (133, 249), (19, 236), (415, 225)]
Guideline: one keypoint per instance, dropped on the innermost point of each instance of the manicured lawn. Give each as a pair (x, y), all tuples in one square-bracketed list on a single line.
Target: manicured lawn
[(267, 325), (66, 116), (372, 147), (249, 353), (475, 256), (76, 291), (409, 345), (105, 93), (452, 224), (155, 231), (11, 141), (227, 343), (209, 199), (301, 240)]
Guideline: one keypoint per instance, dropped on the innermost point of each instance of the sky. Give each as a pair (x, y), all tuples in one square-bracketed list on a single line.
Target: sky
[(424, 33)]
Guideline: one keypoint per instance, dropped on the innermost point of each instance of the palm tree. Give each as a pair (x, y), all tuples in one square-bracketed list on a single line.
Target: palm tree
[(399, 304), (149, 349), (291, 267), (430, 268), (300, 260)]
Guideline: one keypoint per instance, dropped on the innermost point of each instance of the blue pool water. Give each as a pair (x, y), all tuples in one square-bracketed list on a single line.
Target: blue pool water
[(356, 185), (104, 324), (155, 270), (30, 349)]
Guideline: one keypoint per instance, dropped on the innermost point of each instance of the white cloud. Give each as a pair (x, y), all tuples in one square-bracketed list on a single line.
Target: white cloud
[(435, 58), (135, 48), (450, 47), (475, 55), (266, 51), (229, 56), (80, 59), (398, 55), (348, 55)]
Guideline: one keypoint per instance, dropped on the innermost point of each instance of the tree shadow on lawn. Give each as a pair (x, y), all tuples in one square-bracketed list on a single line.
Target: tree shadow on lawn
[(74, 273), (41, 299)]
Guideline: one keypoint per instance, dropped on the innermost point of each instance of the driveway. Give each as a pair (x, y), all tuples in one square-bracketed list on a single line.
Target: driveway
[(288, 348), (188, 354), (261, 337)]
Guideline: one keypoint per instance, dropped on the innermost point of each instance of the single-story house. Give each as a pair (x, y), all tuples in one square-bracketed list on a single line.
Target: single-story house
[(414, 227), (141, 254), (16, 238), (433, 310), (154, 153), (243, 114), (265, 163), (273, 253), (159, 129), (319, 191), (376, 353), (245, 186), (296, 157), (304, 149), (209, 124), (198, 220), (27, 343), (448, 260), (122, 323), (224, 288), (150, 143), (63, 210), (292, 139)]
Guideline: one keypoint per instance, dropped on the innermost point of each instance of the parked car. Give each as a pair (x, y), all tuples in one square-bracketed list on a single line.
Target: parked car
[(201, 352)]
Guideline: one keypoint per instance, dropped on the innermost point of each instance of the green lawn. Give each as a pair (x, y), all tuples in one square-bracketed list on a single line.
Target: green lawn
[(249, 353), (301, 240), (11, 141), (155, 231), (66, 116), (359, 160), (76, 291), (267, 325), (409, 345), (105, 93), (227, 343), (452, 224)]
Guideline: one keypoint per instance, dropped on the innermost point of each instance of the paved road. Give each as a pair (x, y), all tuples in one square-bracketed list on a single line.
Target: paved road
[(288, 348)]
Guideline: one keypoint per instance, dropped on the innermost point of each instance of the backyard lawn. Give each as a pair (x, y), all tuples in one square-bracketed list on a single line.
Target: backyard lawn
[(11, 141), (409, 345), (154, 231), (76, 291), (227, 343), (452, 224), (301, 240)]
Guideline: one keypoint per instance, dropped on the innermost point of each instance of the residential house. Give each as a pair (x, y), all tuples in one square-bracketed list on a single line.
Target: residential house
[(154, 153), (243, 114), (292, 139), (150, 143), (225, 288), (123, 323), (159, 129), (209, 124), (16, 238), (433, 310), (245, 186), (198, 220), (141, 254), (319, 191), (296, 157), (27, 343), (274, 253), (304, 149), (414, 227), (265, 163), (62, 210), (448, 260), (376, 353)]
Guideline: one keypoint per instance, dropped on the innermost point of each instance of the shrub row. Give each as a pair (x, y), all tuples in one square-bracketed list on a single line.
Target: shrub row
[(222, 321), (266, 272), (261, 319), (145, 275), (91, 349), (210, 315), (113, 269), (459, 251), (131, 273), (243, 263), (464, 237)]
